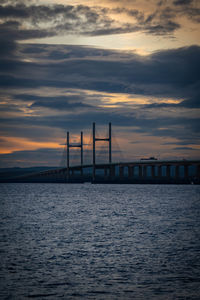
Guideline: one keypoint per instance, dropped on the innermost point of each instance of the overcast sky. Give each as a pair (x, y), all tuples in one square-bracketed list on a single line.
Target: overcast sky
[(65, 64)]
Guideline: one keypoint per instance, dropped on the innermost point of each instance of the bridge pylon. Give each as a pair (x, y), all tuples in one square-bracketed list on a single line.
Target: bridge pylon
[(109, 140), (79, 145)]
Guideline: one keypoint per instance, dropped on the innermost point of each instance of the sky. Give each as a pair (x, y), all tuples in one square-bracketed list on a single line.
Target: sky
[(66, 64)]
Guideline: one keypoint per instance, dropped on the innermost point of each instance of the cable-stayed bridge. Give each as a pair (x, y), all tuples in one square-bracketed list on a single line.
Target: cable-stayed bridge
[(86, 166)]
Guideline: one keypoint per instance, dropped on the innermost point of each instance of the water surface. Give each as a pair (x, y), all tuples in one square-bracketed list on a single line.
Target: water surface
[(84, 241)]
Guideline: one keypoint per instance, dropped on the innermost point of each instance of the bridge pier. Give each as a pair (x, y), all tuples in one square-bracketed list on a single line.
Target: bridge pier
[(140, 171), (68, 155), (105, 172), (130, 172), (177, 171), (198, 171), (159, 171), (168, 172), (152, 171), (186, 173), (144, 171), (121, 172), (133, 168), (112, 171), (64, 175)]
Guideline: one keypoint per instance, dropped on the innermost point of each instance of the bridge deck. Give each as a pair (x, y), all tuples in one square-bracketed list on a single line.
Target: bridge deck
[(122, 172)]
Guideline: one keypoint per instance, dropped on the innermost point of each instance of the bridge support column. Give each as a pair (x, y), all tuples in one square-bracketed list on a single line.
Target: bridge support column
[(112, 171), (105, 172), (56, 176), (121, 172), (94, 139), (152, 171), (140, 171), (159, 171), (144, 171), (133, 169), (110, 144), (68, 155), (186, 173), (168, 171), (198, 171), (130, 172), (63, 176), (81, 154), (177, 171)]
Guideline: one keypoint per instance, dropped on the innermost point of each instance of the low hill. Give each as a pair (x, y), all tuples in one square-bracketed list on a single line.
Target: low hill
[(9, 173)]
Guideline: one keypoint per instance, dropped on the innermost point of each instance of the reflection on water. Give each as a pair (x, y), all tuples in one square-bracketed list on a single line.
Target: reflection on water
[(99, 241)]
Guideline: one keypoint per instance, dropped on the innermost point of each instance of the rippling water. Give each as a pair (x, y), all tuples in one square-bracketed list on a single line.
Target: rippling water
[(99, 241)]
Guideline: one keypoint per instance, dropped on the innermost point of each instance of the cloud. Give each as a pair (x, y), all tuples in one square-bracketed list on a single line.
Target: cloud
[(168, 73), (8, 47), (193, 102), (184, 148), (181, 143), (14, 31), (22, 22), (182, 127), (182, 2), (193, 13), (160, 12), (182, 8)]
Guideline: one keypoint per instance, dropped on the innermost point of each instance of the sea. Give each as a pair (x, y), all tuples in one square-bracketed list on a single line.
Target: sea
[(99, 241)]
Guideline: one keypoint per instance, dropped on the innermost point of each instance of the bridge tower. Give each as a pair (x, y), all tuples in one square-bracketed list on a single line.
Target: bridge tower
[(109, 140), (69, 145)]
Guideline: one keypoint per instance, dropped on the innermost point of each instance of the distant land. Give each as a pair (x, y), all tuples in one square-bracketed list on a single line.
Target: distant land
[(9, 173)]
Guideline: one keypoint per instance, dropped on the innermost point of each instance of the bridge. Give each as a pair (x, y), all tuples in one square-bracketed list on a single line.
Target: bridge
[(138, 171)]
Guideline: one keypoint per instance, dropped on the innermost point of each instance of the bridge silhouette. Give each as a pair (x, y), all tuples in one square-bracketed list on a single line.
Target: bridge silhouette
[(138, 171)]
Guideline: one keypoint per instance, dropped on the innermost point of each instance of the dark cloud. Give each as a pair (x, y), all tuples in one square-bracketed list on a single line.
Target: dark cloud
[(180, 8), (182, 2), (157, 23), (77, 19), (169, 73), (177, 127), (193, 14), (59, 19), (58, 103), (193, 102), (166, 28), (36, 13), (13, 31), (93, 21), (184, 148), (181, 143), (8, 47), (60, 52)]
